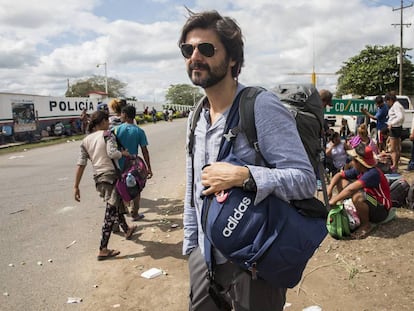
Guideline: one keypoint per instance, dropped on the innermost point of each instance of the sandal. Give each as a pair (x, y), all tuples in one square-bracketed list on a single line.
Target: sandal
[(111, 253), (137, 217)]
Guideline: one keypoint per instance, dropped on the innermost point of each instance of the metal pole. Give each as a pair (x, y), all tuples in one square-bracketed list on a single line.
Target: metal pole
[(401, 56), (106, 80), (401, 51)]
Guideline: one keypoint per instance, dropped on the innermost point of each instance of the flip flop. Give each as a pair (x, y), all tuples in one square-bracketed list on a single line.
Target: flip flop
[(130, 232), (138, 217), (111, 253)]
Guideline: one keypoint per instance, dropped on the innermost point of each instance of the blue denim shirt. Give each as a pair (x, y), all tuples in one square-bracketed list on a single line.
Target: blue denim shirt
[(292, 177)]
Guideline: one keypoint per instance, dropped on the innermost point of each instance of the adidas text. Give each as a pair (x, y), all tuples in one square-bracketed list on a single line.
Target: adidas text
[(234, 220)]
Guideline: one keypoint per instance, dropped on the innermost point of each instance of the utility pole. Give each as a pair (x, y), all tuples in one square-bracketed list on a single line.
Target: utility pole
[(401, 56)]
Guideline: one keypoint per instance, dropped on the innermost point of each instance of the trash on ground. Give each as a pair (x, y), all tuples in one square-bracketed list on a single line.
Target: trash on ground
[(74, 300), (39, 263), (312, 308), (174, 226), (18, 211), (5, 294), (50, 260), (116, 305), (73, 242), (151, 273), (11, 265)]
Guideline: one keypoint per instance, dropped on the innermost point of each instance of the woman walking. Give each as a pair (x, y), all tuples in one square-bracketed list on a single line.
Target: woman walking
[(100, 147)]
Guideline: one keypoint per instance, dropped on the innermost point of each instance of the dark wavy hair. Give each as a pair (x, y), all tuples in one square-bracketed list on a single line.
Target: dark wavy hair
[(226, 28), (97, 118)]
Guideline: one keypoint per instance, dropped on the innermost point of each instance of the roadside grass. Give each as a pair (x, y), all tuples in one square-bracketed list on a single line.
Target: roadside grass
[(39, 144)]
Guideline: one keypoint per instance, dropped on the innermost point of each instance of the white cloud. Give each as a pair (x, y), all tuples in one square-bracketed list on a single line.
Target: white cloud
[(45, 43)]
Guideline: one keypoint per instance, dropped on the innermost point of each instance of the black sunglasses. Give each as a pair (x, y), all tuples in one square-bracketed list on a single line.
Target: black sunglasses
[(206, 49)]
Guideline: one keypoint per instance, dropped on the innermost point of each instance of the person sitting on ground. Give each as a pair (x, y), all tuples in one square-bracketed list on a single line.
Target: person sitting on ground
[(336, 152), (366, 185), (363, 137), (100, 151)]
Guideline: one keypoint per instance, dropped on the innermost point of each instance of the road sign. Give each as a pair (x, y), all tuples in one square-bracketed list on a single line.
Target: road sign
[(351, 107)]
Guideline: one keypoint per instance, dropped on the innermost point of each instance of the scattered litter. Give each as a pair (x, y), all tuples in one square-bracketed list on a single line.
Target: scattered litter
[(11, 265), (95, 286), (312, 308), (62, 178), (131, 258), (15, 212), (50, 260), (74, 300), (116, 306), (6, 294), (16, 157), (151, 273), (287, 305), (39, 263), (73, 242), (22, 263), (174, 226)]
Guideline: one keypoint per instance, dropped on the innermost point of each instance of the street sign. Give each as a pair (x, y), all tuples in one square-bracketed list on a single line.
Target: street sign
[(351, 107)]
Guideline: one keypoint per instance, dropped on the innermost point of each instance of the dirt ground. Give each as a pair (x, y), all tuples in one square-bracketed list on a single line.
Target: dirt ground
[(375, 273)]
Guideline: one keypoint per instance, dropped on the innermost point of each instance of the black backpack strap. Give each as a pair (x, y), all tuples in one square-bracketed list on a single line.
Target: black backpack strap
[(193, 123), (247, 119), (107, 135)]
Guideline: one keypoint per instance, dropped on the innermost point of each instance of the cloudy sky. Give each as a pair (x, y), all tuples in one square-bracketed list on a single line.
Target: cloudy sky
[(44, 43)]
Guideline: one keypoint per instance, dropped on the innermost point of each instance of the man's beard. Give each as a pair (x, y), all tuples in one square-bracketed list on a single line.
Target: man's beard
[(214, 75)]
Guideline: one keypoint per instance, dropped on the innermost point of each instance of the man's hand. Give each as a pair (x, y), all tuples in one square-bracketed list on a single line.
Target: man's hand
[(220, 176), (77, 194)]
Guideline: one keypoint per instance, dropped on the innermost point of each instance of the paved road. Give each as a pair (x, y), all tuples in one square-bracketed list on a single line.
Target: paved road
[(47, 238)]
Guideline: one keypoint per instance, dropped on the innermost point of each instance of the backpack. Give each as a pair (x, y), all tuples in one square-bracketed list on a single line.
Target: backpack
[(134, 166), (272, 240), (410, 197), (337, 222), (304, 102), (399, 191)]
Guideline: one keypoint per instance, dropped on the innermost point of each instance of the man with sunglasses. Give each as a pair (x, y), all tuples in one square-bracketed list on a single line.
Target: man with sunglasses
[(366, 185), (212, 47)]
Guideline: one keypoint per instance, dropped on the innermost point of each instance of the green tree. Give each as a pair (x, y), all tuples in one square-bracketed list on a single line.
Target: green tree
[(375, 71), (183, 94), (83, 87)]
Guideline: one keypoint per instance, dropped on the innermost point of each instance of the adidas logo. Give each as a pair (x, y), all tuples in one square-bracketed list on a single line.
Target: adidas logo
[(238, 214)]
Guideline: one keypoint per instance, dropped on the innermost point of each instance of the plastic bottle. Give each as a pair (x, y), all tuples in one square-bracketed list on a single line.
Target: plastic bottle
[(130, 180)]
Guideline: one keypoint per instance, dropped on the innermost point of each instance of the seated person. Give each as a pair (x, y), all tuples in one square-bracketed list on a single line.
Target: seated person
[(366, 185), (336, 154), (363, 137)]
